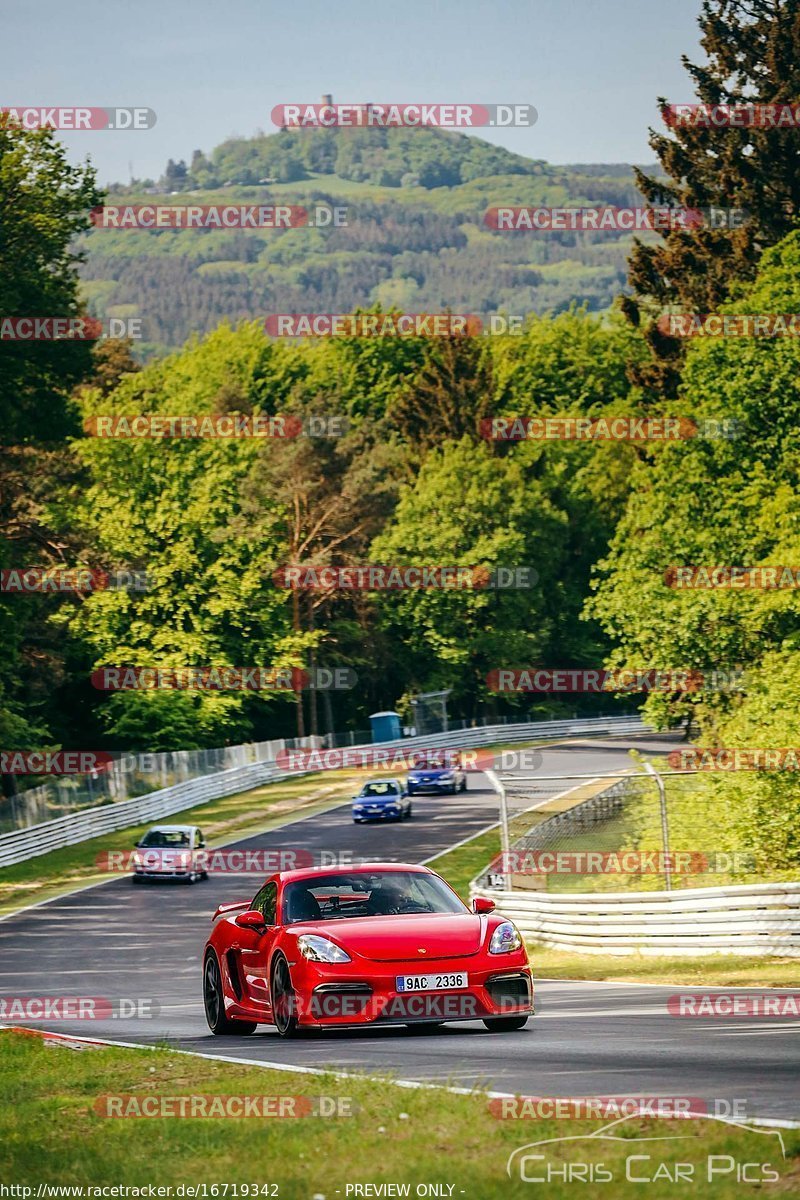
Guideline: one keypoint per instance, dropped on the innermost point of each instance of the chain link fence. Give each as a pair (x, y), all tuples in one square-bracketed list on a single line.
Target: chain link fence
[(641, 830)]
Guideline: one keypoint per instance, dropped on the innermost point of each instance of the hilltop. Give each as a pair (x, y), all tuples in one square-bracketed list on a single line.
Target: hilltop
[(415, 236)]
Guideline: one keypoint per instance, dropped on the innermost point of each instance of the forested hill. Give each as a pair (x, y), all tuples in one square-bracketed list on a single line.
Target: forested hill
[(414, 237)]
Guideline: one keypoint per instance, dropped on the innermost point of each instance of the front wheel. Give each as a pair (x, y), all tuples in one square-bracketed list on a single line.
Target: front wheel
[(214, 1003), (463, 785), (284, 1001), (505, 1024)]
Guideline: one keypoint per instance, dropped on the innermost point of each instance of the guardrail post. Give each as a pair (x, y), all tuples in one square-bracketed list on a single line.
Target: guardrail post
[(662, 796), (505, 840)]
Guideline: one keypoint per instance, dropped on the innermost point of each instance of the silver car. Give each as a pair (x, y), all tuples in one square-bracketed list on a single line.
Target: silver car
[(170, 852)]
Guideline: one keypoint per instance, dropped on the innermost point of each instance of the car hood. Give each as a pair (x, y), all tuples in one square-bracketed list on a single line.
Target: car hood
[(403, 938)]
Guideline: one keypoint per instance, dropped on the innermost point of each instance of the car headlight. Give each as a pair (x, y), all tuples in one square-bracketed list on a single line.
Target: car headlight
[(137, 859), (505, 939), (358, 807), (448, 777), (320, 949)]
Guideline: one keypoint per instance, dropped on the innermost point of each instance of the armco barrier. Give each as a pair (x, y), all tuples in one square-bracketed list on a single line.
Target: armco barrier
[(92, 822), (752, 919)]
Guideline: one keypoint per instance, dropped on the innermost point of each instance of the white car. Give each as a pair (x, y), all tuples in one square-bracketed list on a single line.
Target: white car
[(170, 852)]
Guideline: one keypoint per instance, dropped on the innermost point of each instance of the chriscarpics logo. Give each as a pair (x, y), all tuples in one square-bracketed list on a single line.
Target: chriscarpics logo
[(625, 1151)]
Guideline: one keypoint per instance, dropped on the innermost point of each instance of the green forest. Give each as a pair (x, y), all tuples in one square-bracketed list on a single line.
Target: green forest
[(412, 479)]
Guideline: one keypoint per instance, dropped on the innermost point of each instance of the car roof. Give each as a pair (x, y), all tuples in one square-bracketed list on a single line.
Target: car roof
[(367, 782), (355, 869)]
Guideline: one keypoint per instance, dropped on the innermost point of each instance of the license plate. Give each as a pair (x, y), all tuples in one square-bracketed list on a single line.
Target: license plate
[(444, 982)]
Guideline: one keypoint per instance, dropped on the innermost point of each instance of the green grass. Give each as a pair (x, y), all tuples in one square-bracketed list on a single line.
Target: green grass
[(51, 1133)]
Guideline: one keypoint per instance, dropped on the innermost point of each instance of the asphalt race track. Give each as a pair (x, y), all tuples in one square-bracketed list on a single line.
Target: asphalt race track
[(587, 1039)]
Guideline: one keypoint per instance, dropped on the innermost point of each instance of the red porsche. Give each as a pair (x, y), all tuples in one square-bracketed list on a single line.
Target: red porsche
[(379, 944)]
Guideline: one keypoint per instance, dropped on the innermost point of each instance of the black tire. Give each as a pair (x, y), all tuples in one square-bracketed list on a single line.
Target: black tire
[(214, 1004), (424, 1027), (408, 813), (284, 1001), (505, 1024), (463, 785), (453, 790), (137, 879)]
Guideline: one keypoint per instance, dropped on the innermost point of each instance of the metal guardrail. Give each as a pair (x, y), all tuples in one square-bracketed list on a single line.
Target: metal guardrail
[(751, 919), (89, 823)]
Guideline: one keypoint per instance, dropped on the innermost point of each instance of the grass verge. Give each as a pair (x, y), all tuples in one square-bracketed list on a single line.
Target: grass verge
[(51, 1133)]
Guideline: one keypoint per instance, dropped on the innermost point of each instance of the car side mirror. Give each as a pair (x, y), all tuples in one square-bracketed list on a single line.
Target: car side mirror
[(481, 904), (250, 920)]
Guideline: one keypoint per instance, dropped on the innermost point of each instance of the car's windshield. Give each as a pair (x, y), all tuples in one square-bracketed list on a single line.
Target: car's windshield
[(379, 789), (367, 894), (166, 839)]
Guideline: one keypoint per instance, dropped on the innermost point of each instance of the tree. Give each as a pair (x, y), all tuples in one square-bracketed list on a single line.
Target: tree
[(44, 205), (713, 501), (753, 50)]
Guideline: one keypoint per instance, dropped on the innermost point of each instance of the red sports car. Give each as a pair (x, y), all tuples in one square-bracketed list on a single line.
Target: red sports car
[(383, 943)]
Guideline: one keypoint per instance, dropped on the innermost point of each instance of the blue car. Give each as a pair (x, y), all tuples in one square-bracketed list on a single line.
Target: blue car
[(381, 800), (442, 774)]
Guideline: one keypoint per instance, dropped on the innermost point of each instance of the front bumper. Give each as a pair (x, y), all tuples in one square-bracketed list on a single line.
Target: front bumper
[(347, 994), (385, 814), (432, 785)]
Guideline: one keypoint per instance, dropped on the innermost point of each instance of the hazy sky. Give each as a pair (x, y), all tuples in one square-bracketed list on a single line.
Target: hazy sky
[(592, 68)]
